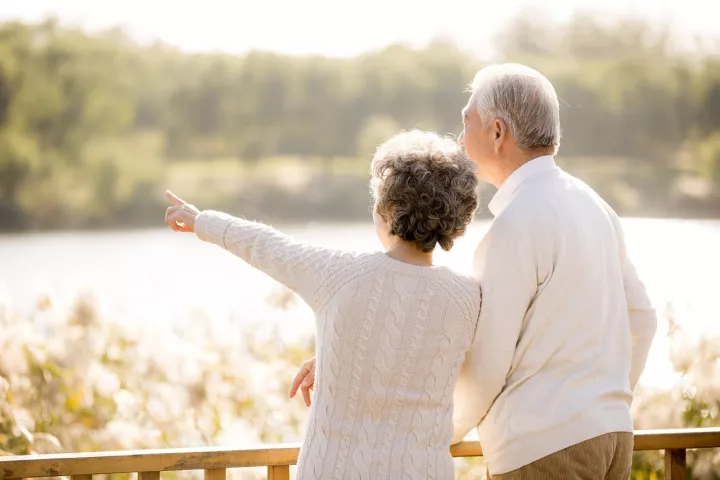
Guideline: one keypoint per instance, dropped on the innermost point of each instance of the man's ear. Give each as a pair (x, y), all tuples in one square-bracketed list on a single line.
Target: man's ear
[(500, 132)]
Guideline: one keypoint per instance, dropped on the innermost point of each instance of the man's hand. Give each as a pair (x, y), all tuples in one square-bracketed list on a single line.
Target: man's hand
[(181, 215), (304, 380)]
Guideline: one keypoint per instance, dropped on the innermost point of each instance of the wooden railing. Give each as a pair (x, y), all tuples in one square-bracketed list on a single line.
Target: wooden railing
[(215, 461)]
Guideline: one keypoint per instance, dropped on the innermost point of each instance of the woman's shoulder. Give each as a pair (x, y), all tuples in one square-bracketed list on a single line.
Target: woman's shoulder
[(451, 275), (464, 289)]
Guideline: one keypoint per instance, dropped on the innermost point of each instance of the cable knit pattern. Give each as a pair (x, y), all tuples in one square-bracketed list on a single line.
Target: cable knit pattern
[(399, 325), (391, 340)]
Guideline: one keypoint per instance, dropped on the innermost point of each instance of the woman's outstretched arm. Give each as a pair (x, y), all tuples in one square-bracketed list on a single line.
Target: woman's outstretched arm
[(300, 266), (297, 265)]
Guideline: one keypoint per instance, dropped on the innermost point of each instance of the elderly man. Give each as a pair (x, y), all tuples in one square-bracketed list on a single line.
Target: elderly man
[(565, 324)]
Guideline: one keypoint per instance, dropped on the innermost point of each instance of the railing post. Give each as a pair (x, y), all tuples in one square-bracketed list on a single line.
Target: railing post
[(215, 474), (675, 460), (81, 477), (279, 472), (148, 475)]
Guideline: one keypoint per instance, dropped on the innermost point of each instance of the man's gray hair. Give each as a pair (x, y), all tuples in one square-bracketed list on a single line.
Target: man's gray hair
[(524, 99)]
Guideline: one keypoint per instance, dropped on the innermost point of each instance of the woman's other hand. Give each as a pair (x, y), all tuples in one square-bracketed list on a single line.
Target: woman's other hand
[(304, 380)]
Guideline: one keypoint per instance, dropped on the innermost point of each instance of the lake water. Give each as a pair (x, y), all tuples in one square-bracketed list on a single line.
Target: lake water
[(171, 278)]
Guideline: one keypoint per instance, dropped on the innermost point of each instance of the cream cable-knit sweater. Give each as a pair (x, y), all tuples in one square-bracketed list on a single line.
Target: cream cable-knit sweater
[(391, 338)]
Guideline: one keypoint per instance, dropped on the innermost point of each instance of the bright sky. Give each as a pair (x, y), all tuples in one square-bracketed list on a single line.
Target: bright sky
[(341, 27)]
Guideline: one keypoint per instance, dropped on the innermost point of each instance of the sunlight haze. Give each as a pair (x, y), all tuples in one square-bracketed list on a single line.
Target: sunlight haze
[(332, 28)]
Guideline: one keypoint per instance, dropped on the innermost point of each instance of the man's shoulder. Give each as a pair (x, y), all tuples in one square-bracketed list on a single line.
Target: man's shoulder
[(555, 193), (595, 201), (543, 210)]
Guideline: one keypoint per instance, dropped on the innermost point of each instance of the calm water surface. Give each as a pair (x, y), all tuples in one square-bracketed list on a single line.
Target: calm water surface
[(162, 276)]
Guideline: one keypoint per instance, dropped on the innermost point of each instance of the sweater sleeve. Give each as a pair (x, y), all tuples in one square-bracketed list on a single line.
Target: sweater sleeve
[(299, 266), (466, 415), (641, 314), (506, 268)]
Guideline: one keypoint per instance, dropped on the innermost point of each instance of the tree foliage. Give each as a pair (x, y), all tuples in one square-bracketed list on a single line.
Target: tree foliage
[(90, 123)]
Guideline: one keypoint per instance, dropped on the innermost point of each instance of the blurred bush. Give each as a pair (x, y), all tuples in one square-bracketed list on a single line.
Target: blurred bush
[(71, 381)]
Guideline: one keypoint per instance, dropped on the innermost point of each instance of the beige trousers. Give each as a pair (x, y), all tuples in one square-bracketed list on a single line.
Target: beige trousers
[(607, 457)]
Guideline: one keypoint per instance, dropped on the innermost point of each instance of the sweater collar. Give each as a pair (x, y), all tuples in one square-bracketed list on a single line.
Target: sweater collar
[(506, 191)]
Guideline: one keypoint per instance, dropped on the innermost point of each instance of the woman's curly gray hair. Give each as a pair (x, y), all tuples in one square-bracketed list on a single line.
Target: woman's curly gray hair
[(425, 188)]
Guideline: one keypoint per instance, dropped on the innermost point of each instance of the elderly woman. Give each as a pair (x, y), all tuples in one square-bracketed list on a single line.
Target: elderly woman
[(392, 329)]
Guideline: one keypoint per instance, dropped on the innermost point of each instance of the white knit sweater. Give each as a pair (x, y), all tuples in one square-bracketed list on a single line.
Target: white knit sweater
[(391, 338)]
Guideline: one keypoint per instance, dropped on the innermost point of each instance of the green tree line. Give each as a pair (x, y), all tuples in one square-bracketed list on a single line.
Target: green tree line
[(91, 124)]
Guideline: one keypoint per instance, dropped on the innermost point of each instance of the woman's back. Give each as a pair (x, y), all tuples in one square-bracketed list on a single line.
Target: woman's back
[(391, 340), (392, 330)]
